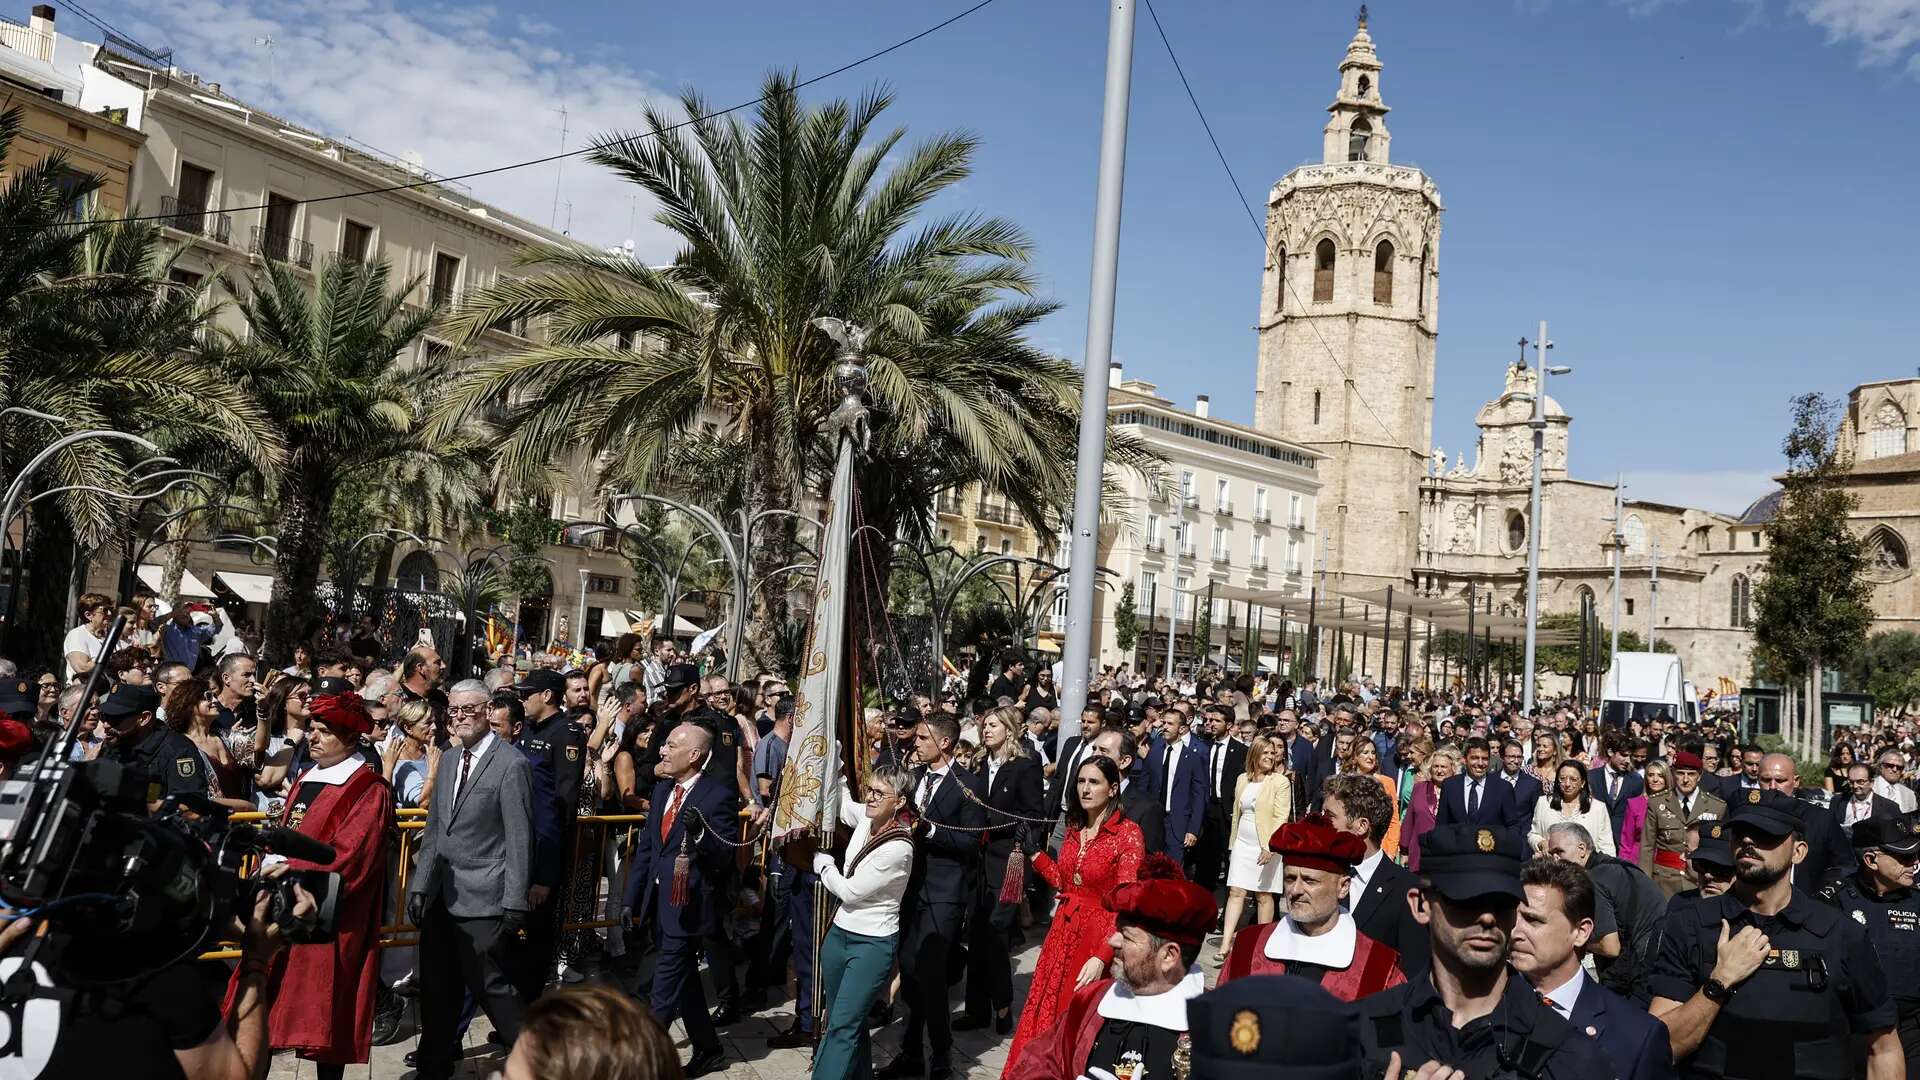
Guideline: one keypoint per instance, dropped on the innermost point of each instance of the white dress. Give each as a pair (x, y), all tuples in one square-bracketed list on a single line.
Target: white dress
[(1243, 863)]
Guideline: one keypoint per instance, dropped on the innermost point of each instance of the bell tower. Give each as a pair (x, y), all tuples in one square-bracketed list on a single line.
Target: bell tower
[(1348, 323)]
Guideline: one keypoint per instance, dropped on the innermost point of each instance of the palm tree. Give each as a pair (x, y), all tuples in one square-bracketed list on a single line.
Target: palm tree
[(337, 371), (92, 330), (794, 217)]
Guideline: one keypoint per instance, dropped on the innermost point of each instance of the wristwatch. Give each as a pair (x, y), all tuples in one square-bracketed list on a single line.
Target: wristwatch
[(1716, 991)]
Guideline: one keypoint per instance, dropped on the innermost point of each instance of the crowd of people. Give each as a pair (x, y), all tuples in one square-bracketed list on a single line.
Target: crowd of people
[(1446, 882)]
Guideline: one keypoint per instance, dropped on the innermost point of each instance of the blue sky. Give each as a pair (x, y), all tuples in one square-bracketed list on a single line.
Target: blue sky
[(1712, 203)]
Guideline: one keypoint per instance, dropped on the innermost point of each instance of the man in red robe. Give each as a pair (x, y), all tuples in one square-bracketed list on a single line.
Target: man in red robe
[(1315, 939), (323, 993), (1133, 1025)]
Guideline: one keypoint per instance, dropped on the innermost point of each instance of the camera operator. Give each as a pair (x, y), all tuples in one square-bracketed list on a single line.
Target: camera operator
[(322, 996), (167, 1024)]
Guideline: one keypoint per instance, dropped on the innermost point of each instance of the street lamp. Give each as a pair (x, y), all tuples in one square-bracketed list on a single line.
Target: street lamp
[(1539, 426)]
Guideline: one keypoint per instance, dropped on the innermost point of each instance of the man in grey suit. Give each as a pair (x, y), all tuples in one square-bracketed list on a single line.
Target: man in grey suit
[(472, 881)]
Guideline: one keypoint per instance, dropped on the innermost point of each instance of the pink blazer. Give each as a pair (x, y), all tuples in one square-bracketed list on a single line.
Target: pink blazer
[(1632, 828), (1419, 820)]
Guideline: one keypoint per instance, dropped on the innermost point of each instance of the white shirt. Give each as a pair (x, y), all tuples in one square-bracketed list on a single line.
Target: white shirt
[(1362, 874), (479, 751), (1857, 810), (1563, 996), (993, 770), (84, 641), (1166, 1010), (1170, 757), (870, 897), (1901, 794)]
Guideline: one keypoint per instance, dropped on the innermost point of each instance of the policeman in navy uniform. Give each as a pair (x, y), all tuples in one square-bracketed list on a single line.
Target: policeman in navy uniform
[(555, 747), (1879, 895), (1468, 899), (140, 741), (1764, 980)]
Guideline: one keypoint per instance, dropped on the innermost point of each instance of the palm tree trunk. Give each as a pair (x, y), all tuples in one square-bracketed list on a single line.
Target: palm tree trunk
[(178, 548), (306, 500), (768, 487), (48, 571)]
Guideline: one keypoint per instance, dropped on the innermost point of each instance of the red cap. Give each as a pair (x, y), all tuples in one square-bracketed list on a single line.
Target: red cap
[(1165, 904), (343, 713), (14, 739), (1684, 760), (1314, 844)]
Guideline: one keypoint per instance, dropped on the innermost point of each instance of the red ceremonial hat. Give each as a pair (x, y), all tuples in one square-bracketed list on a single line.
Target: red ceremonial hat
[(1165, 904), (1313, 843), (343, 713), (14, 739), (1684, 760)]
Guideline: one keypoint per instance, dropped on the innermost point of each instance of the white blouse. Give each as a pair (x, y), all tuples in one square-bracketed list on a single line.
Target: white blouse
[(1597, 821), (870, 897)]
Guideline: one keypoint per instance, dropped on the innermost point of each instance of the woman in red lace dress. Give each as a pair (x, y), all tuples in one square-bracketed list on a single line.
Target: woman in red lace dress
[(1102, 849)]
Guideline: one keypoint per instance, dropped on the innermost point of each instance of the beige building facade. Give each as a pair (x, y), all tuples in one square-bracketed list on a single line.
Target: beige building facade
[(42, 72)]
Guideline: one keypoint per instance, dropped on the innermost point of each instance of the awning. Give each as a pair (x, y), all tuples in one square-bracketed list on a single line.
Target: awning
[(253, 588), (613, 623), (151, 576)]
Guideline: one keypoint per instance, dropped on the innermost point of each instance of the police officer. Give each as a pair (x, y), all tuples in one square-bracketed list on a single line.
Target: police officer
[(556, 749), (136, 739), (1879, 895), (1470, 1011), (1711, 861), (1764, 980)]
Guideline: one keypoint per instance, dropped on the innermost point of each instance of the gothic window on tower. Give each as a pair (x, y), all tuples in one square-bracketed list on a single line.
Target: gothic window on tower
[(1421, 285), (1357, 137), (1316, 406), (1366, 84), (1323, 256), (1516, 531), (1383, 273), (1280, 284), (1741, 613)]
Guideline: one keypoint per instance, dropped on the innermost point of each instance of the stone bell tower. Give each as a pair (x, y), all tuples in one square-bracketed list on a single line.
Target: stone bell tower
[(1348, 322)]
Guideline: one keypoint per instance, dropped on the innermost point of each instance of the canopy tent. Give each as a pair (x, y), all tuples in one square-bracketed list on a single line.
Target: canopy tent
[(614, 622), (151, 576), (252, 588)]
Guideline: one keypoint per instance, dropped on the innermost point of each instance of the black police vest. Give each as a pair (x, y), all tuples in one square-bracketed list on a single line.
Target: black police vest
[(1787, 1019), (1893, 924)]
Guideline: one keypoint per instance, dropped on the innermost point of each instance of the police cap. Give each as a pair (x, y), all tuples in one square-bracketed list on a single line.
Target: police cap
[(677, 676), (1714, 848), (546, 679), (1891, 835), (1273, 1027), (17, 699), (1466, 862), (333, 686), (129, 700), (1768, 813)]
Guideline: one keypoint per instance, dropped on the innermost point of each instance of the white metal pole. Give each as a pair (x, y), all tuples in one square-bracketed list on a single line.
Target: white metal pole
[(1082, 573), (1619, 547), (580, 619), (1653, 592), (1533, 511)]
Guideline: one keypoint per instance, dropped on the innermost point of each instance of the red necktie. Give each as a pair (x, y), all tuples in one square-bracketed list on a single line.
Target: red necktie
[(673, 811), (460, 782)]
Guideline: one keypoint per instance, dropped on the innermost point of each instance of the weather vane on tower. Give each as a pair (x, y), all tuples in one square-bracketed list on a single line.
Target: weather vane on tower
[(1363, 16)]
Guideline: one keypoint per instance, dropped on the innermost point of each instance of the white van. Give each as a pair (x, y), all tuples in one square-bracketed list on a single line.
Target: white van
[(1641, 686)]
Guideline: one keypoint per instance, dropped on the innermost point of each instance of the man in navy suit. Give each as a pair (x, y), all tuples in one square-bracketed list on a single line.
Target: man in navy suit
[(1299, 755), (1476, 797), (1616, 782), (1182, 762), (1553, 925), (699, 815), (1526, 786), (946, 868)]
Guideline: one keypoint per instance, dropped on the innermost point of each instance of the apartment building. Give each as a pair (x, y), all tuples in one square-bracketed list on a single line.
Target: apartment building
[(43, 73)]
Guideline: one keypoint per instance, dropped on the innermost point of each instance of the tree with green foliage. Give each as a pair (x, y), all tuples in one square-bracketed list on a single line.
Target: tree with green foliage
[(1202, 637), (1126, 620), (1887, 666), (1812, 606), (1565, 659)]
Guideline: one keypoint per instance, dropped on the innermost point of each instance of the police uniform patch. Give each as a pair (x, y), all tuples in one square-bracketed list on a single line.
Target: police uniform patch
[(1484, 840), (184, 766), (1859, 916), (1244, 1036), (573, 753), (1753, 796), (726, 738)]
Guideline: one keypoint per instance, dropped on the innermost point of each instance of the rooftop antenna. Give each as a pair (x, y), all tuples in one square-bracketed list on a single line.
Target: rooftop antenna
[(269, 44), (568, 231), (559, 169)]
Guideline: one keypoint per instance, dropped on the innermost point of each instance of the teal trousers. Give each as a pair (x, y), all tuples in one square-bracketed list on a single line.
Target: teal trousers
[(853, 969)]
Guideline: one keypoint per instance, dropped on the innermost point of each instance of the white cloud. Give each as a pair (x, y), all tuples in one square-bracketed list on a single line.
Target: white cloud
[(1728, 491), (461, 86), (1887, 31)]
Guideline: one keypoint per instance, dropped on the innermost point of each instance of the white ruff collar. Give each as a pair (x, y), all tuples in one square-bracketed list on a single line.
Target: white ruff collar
[(1333, 949), (1164, 1010), (337, 773)]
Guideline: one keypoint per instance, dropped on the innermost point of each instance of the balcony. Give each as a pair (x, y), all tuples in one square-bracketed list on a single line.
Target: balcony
[(1263, 515), (1293, 568), (1186, 551), (1259, 563), (195, 221), (1297, 523), (25, 40), (1156, 544), (1190, 500), (948, 505), (1222, 558), (1224, 509), (282, 248), (999, 515)]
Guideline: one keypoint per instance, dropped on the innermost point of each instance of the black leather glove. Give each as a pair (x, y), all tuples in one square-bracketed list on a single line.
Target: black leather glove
[(512, 922), (416, 908)]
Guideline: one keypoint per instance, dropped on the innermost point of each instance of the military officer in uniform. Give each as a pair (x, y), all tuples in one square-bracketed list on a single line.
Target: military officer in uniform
[(1663, 854), (1764, 980), (1880, 896), (1471, 1011), (136, 739)]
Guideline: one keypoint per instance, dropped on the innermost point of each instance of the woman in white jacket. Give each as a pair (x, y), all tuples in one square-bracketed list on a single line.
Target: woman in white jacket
[(1572, 801), (857, 956)]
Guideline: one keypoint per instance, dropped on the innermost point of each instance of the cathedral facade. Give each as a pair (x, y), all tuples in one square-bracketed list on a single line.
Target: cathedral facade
[(1349, 323)]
